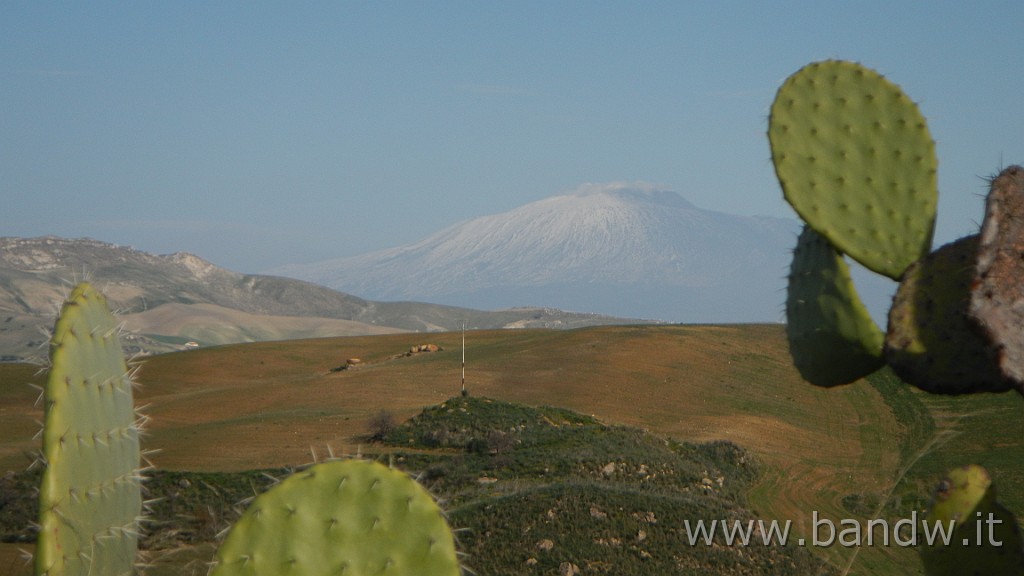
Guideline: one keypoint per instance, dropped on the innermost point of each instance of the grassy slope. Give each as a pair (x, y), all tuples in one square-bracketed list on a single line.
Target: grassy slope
[(269, 404), (210, 324)]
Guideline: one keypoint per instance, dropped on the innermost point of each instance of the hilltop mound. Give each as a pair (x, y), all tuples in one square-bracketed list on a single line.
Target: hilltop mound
[(532, 490), (547, 490)]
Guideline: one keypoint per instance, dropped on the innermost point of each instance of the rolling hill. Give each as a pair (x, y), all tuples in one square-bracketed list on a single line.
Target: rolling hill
[(872, 449), (171, 299)]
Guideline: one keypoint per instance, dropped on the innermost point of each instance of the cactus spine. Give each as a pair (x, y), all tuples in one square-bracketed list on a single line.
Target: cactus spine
[(351, 517), (90, 498)]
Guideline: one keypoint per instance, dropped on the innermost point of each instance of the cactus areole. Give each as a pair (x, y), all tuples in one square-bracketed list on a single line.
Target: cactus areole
[(856, 161), (348, 517), (90, 498)]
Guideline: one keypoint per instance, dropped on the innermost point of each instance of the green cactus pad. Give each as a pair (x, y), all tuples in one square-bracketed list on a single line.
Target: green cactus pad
[(997, 294), (832, 338), (90, 498), (931, 342), (349, 517), (855, 159), (963, 500)]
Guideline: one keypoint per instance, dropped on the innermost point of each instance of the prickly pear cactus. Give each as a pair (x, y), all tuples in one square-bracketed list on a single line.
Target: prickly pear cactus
[(985, 538), (833, 339), (997, 298), (856, 161), (90, 498), (931, 342), (351, 517)]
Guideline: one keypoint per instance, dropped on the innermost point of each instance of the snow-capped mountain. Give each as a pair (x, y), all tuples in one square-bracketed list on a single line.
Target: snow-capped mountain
[(623, 249)]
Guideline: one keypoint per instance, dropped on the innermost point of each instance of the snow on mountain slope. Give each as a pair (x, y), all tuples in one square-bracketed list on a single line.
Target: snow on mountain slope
[(624, 249)]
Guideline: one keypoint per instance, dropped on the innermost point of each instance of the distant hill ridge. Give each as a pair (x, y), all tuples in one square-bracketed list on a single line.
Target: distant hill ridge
[(626, 249), (211, 305), (137, 281)]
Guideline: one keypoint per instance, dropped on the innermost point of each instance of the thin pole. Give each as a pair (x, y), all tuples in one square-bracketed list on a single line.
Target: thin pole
[(463, 358)]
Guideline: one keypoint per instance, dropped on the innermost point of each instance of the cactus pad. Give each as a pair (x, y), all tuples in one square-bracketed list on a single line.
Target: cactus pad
[(348, 517), (965, 498), (931, 342), (855, 159), (832, 338), (997, 298), (90, 498)]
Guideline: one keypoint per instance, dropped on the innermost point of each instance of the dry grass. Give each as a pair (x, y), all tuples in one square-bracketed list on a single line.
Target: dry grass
[(268, 404)]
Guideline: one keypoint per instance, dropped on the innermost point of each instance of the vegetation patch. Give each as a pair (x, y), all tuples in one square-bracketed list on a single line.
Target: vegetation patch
[(533, 490), (611, 529)]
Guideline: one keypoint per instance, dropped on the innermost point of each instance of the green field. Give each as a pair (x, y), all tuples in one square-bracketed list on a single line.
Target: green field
[(872, 449)]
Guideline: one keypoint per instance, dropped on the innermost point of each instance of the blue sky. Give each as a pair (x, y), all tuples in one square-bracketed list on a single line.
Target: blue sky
[(257, 134)]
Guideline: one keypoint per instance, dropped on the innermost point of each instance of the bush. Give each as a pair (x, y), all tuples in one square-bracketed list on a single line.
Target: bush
[(380, 425)]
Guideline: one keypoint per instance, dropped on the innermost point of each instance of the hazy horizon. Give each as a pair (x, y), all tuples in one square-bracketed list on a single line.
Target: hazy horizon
[(259, 134)]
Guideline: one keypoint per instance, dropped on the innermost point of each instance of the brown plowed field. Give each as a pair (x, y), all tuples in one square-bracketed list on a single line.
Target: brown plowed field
[(270, 404)]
